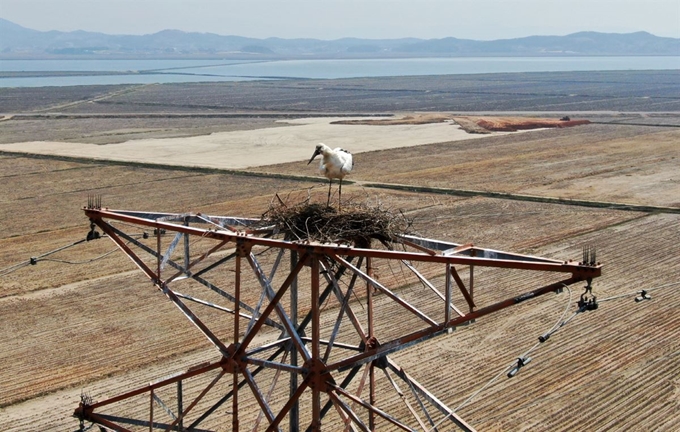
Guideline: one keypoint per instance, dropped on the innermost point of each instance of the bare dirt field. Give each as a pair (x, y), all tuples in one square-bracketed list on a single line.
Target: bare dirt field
[(246, 148), (628, 164), (632, 164), (90, 323), (85, 319)]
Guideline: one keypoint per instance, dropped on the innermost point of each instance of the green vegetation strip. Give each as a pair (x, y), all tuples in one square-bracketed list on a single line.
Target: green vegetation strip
[(390, 186)]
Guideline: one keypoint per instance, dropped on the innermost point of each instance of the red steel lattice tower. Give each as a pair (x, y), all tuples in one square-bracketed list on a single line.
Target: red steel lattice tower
[(283, 364)]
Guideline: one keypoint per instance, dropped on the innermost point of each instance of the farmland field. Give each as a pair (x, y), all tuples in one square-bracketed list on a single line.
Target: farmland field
[(620, 91), (85, 319)]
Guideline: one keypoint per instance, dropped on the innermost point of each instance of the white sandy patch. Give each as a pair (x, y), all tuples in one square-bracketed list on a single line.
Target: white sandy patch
[(243, 149)]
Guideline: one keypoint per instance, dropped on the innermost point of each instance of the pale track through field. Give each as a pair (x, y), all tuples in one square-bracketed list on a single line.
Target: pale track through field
[(109, 95)]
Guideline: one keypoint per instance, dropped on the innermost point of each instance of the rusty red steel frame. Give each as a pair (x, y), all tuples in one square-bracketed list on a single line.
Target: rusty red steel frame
[(340, 378)]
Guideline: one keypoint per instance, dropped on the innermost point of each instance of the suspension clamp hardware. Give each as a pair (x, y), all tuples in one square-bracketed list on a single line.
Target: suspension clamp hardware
[(643, 296), (588, 304), (93, 234), (521, 362), (588, 301)]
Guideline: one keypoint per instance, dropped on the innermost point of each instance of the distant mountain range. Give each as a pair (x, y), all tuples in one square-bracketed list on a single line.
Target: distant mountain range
[(20, 42)]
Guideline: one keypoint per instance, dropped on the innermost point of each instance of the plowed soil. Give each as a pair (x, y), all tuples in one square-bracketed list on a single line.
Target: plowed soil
[(598, 162), (83, 318), (99, 326)]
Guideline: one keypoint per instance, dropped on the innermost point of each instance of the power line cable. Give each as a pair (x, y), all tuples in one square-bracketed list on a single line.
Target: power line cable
[(560, 323), (82, 261), (522, 360), (635, 293), (14, 268), (34, 260)]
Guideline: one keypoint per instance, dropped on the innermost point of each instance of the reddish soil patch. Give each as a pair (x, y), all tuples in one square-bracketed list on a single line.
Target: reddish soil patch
[(513, 124), (472, 124), (413, 119)]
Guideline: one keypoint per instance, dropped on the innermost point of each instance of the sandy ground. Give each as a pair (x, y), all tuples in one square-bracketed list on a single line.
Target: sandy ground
[(243, 149)]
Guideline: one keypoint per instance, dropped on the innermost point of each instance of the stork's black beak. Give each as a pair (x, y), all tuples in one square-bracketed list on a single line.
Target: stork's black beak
[(316, 153)]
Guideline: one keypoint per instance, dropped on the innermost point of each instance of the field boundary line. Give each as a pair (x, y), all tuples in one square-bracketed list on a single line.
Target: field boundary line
[(522, 197), (275, 115), (365, 184), (636, 124), (195, 169)]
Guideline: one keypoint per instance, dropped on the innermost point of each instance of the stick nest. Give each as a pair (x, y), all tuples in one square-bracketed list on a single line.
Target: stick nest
[(357, 223)]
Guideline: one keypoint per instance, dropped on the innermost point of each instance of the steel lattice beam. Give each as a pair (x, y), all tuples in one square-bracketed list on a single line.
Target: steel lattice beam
[(322, 368)]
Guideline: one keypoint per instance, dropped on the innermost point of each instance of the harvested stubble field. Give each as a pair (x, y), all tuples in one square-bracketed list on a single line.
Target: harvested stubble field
[(100, 326), (110, 130), (598, 162), (72, 324), (640, 91)]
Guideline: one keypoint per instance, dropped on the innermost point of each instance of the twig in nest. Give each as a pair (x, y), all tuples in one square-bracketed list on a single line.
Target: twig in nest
[(357, 223)]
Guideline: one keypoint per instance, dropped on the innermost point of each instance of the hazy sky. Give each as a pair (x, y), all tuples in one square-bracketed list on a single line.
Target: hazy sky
[(333, 19)]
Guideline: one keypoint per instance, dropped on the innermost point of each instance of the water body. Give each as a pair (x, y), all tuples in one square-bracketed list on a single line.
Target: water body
[(177, 71)]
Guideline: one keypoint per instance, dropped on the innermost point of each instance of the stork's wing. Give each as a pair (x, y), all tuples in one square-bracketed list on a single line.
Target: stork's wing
[(348, 163)]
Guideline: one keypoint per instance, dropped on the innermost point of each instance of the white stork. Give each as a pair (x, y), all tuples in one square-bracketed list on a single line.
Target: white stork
[(336, 163)]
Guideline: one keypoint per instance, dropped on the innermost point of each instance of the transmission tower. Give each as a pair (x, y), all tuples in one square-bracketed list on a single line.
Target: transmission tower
[(304, 331)]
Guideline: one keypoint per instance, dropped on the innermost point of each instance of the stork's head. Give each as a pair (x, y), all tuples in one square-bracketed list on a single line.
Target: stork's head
[(317, 152)]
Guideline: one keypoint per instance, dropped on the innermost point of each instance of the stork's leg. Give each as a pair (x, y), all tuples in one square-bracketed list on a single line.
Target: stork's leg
[(330, 183), (340, 196)]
